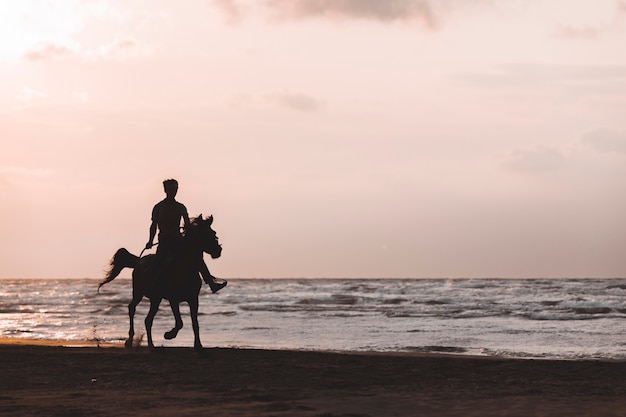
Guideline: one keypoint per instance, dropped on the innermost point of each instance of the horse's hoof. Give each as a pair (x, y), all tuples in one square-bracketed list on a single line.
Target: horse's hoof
[(171, 334), (129, 343), (198, 347)]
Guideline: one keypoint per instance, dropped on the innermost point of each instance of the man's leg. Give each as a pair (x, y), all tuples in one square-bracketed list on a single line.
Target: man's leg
[(210, 279), (164, 254)]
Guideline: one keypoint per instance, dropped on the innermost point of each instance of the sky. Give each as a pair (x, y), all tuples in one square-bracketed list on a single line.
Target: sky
[(328, 138)]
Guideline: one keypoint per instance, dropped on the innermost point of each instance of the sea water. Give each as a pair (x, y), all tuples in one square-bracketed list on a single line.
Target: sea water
[(538, 318)]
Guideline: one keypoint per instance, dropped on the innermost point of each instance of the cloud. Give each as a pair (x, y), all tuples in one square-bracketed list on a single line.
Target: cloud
[(27, 95), (592, 23), (387, 10), (16, 173), (542, 76), (48, 51), (535, 160), (373, 10), (230, 8), (606, 140), (81, 96), (121, 48), (299, 102), (578, 33)]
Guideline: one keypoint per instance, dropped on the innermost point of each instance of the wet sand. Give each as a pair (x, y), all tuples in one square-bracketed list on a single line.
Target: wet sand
[(45, 378)]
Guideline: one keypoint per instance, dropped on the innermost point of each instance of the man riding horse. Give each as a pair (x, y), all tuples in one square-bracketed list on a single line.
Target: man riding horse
[(173, 273), (166, 216)]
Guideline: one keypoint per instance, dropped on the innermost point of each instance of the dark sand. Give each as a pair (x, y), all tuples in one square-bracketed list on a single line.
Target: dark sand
[(47, 380)]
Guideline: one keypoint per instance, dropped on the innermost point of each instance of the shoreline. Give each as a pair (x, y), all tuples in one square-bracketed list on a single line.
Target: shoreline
[(18, 341), (15, 341), (46, 378)]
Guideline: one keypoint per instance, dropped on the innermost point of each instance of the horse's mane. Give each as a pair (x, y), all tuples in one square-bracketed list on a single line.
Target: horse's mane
[(194, 222)]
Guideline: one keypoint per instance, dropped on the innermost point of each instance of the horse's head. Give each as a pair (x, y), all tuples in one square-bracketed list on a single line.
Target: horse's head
[(200, 231)]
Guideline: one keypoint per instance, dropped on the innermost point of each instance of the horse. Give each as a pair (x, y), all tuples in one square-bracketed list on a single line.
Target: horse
[(179, 281)]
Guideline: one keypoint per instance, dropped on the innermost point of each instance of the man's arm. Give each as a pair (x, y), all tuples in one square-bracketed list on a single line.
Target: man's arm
[(185, 215), (153, 229)]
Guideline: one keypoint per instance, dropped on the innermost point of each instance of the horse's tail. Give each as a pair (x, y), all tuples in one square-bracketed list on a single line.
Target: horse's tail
[(122, 259)]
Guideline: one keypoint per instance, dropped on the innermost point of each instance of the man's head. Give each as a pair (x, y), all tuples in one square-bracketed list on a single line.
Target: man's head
[(171, 187)]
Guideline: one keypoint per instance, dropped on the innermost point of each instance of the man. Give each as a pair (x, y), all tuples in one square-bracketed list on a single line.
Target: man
[(166, 216)]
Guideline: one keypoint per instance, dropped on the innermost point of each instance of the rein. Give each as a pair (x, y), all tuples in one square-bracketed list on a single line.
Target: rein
[(144, 249)]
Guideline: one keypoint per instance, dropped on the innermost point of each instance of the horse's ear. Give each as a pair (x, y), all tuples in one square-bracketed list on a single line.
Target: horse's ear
[(199, 218), (210, 219)]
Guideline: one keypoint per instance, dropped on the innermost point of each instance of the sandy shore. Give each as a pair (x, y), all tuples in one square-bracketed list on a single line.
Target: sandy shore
[(45, 378)]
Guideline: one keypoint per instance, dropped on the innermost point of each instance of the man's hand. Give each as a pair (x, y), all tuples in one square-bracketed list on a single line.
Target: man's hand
[(149, 245)]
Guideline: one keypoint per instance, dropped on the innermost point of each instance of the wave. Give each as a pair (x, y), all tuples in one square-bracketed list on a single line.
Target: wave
[(435, 349), (504, 317)]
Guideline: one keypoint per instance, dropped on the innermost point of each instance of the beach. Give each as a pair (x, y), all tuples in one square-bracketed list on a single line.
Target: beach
[(56, 378)]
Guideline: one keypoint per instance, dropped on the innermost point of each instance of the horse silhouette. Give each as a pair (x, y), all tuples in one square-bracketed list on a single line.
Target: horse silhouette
[(178, 281)]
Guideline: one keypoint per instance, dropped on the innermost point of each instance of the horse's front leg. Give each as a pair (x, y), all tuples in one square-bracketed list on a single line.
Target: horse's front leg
[(132, 307), (193, 309), (154, 307), (179, 321)]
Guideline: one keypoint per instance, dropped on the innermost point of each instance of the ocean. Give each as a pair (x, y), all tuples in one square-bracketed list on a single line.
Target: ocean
[(524, 318)]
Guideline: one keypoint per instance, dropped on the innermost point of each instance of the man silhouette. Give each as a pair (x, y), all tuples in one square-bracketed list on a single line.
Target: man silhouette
[(166, 216)]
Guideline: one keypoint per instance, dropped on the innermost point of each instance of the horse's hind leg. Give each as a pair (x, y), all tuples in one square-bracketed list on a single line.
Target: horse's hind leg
[(193, 309), (154, 307), (132, 307), (179, 322)]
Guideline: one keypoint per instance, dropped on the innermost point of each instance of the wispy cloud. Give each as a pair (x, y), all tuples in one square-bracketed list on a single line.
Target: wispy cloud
[(591, 27), (578, 32), (120, 48), (298, 101), (388, 10), (606, 140), (534, 76), (81, 96), (28, 94), (427, 12), (48, 51), (13, 173), (231, 9), (540, 159)]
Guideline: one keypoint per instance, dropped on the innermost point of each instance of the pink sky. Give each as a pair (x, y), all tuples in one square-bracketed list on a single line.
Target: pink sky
[(329, 138)]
